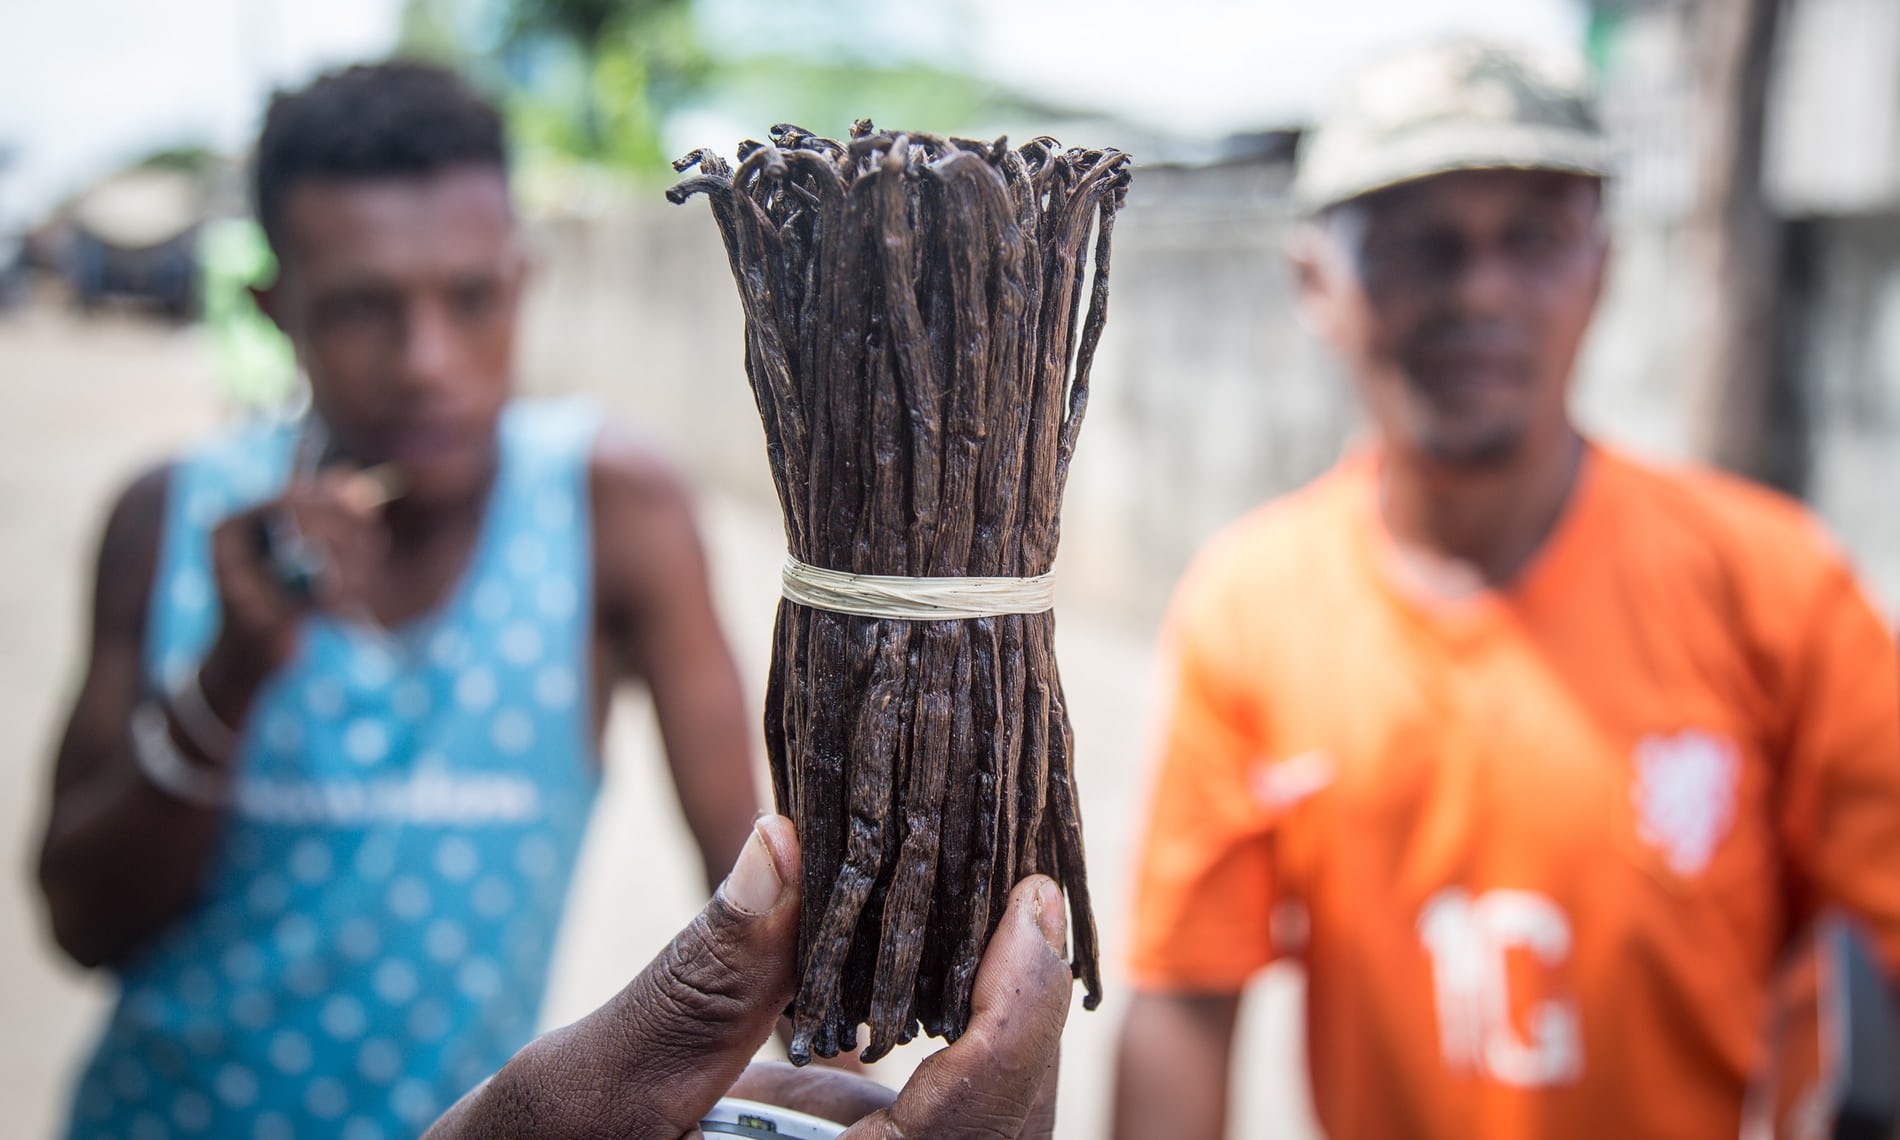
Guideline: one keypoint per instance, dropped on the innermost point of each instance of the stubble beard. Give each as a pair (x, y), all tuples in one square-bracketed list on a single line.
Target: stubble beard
[(1481, 449)]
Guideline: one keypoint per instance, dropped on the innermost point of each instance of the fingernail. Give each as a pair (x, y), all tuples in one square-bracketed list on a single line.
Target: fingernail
[(1052, 918), (363, 492), (753, 886)]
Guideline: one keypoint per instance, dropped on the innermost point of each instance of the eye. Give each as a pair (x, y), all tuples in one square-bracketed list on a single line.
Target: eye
[(1420, 252), (1540, 238), (359, 309), (474, 300)]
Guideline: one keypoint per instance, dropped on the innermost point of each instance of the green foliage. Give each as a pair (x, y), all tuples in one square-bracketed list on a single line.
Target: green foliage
[(582, 22), (632, 61), (197, 160), (602, 113), (432, 30), (826, 97), (594, 82)]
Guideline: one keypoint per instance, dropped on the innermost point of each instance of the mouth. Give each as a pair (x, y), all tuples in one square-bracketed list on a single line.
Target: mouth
[(423, 442), (1471, 353), (1461, 375)]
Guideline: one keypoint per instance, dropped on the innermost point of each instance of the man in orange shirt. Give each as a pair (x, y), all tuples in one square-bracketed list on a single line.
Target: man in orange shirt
[(1540, 758)]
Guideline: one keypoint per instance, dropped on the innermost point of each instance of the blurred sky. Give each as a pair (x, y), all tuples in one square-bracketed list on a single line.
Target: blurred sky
[(88, 84)]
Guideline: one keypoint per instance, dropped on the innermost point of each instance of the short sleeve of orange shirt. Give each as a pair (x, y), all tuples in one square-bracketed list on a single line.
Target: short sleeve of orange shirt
[(1548, 843)]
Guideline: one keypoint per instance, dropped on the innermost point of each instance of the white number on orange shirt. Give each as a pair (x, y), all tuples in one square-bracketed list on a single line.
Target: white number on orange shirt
[(1470, 941)]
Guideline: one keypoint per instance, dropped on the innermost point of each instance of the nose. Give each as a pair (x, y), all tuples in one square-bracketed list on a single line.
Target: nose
[(430, 348), (1485, 283)]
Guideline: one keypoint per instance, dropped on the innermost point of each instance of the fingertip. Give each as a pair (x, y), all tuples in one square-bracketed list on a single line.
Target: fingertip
[(1027, 953), (781, 839), (765, 876), (1017, 1013), (1037, 902), (1052, 917), (334, 480), (360, 492)]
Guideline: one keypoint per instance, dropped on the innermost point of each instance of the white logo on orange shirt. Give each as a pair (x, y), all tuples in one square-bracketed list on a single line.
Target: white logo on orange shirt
[(1684, 795), (1282, 784), (1469, 938)]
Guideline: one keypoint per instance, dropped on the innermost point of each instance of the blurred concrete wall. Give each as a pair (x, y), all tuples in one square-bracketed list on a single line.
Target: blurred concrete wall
[(1852, 352), (1208, 396), (1832, 169), (637, 308)]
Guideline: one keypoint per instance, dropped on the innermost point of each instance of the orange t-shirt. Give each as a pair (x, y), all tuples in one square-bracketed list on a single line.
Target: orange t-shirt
[(1545, 845)]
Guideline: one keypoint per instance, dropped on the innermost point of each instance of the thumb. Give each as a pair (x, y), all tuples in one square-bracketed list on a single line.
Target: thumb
[(656, 1057), (997, 1079), (698, 1012)]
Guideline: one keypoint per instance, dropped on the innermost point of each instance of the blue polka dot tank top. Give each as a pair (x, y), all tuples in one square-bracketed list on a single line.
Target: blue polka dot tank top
[(375, 933)]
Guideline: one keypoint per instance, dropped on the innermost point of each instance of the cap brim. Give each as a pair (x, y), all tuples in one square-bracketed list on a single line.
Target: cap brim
[(1326, 178)]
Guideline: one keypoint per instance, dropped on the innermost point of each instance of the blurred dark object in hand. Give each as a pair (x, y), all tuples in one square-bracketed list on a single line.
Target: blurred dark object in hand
[(1862, 1040), (1833, 1065)]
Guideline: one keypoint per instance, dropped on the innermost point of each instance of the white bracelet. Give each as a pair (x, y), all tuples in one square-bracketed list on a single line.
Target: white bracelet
[(168, 770), (202, 726)]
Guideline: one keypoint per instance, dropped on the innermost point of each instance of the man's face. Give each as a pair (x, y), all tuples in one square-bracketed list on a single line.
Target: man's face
[(401, 296), (1459, 302)]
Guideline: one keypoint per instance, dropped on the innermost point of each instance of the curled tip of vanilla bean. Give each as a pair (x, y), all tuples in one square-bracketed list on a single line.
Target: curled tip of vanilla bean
[(920, 326)]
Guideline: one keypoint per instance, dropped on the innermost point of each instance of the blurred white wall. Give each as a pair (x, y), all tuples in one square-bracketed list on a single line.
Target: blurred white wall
[(87, 85)]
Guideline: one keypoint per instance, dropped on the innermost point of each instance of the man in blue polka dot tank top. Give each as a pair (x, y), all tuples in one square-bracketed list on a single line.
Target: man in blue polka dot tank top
[(325, 779)]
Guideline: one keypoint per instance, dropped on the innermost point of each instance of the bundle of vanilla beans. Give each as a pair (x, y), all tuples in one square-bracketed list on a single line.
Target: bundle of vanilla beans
[(912, 308)]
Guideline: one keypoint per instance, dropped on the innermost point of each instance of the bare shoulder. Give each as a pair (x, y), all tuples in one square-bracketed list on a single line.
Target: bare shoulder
[(139, 507), (127, 563), (646, 538), (627, 472), (128, 552)]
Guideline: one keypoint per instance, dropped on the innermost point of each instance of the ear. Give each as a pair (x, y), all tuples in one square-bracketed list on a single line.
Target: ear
[(526, 265), (269, 300), (1601, 270), (1310, 254), (1594, 199)]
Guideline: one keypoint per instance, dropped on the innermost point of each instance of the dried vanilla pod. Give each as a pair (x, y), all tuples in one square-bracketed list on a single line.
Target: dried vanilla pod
[(912, 308)]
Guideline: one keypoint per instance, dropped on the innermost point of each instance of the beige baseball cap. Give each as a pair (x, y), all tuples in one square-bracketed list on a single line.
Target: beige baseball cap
[(1453, 105)]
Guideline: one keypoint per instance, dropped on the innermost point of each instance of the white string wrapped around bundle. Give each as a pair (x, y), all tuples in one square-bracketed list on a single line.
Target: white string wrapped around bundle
[(915, 599)]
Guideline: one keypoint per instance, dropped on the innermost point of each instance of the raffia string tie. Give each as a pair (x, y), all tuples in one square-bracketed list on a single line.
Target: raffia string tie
[(915, 599)]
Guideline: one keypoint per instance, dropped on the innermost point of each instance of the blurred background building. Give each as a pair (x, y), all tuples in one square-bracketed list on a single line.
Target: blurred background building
[(1753, 315)]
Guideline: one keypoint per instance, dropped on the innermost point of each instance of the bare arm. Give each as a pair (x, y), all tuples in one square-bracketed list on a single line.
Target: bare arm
[(1171, 1067), (657, 618), (121, 858)]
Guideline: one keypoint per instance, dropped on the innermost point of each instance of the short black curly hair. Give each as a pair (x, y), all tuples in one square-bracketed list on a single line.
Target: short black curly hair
[(396, 119)]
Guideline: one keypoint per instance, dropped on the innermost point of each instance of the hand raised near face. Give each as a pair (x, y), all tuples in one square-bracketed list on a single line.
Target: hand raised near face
[(317, 546)]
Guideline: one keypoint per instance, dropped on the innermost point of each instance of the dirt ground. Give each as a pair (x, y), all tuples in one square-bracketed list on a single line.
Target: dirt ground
[(85, 404)]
